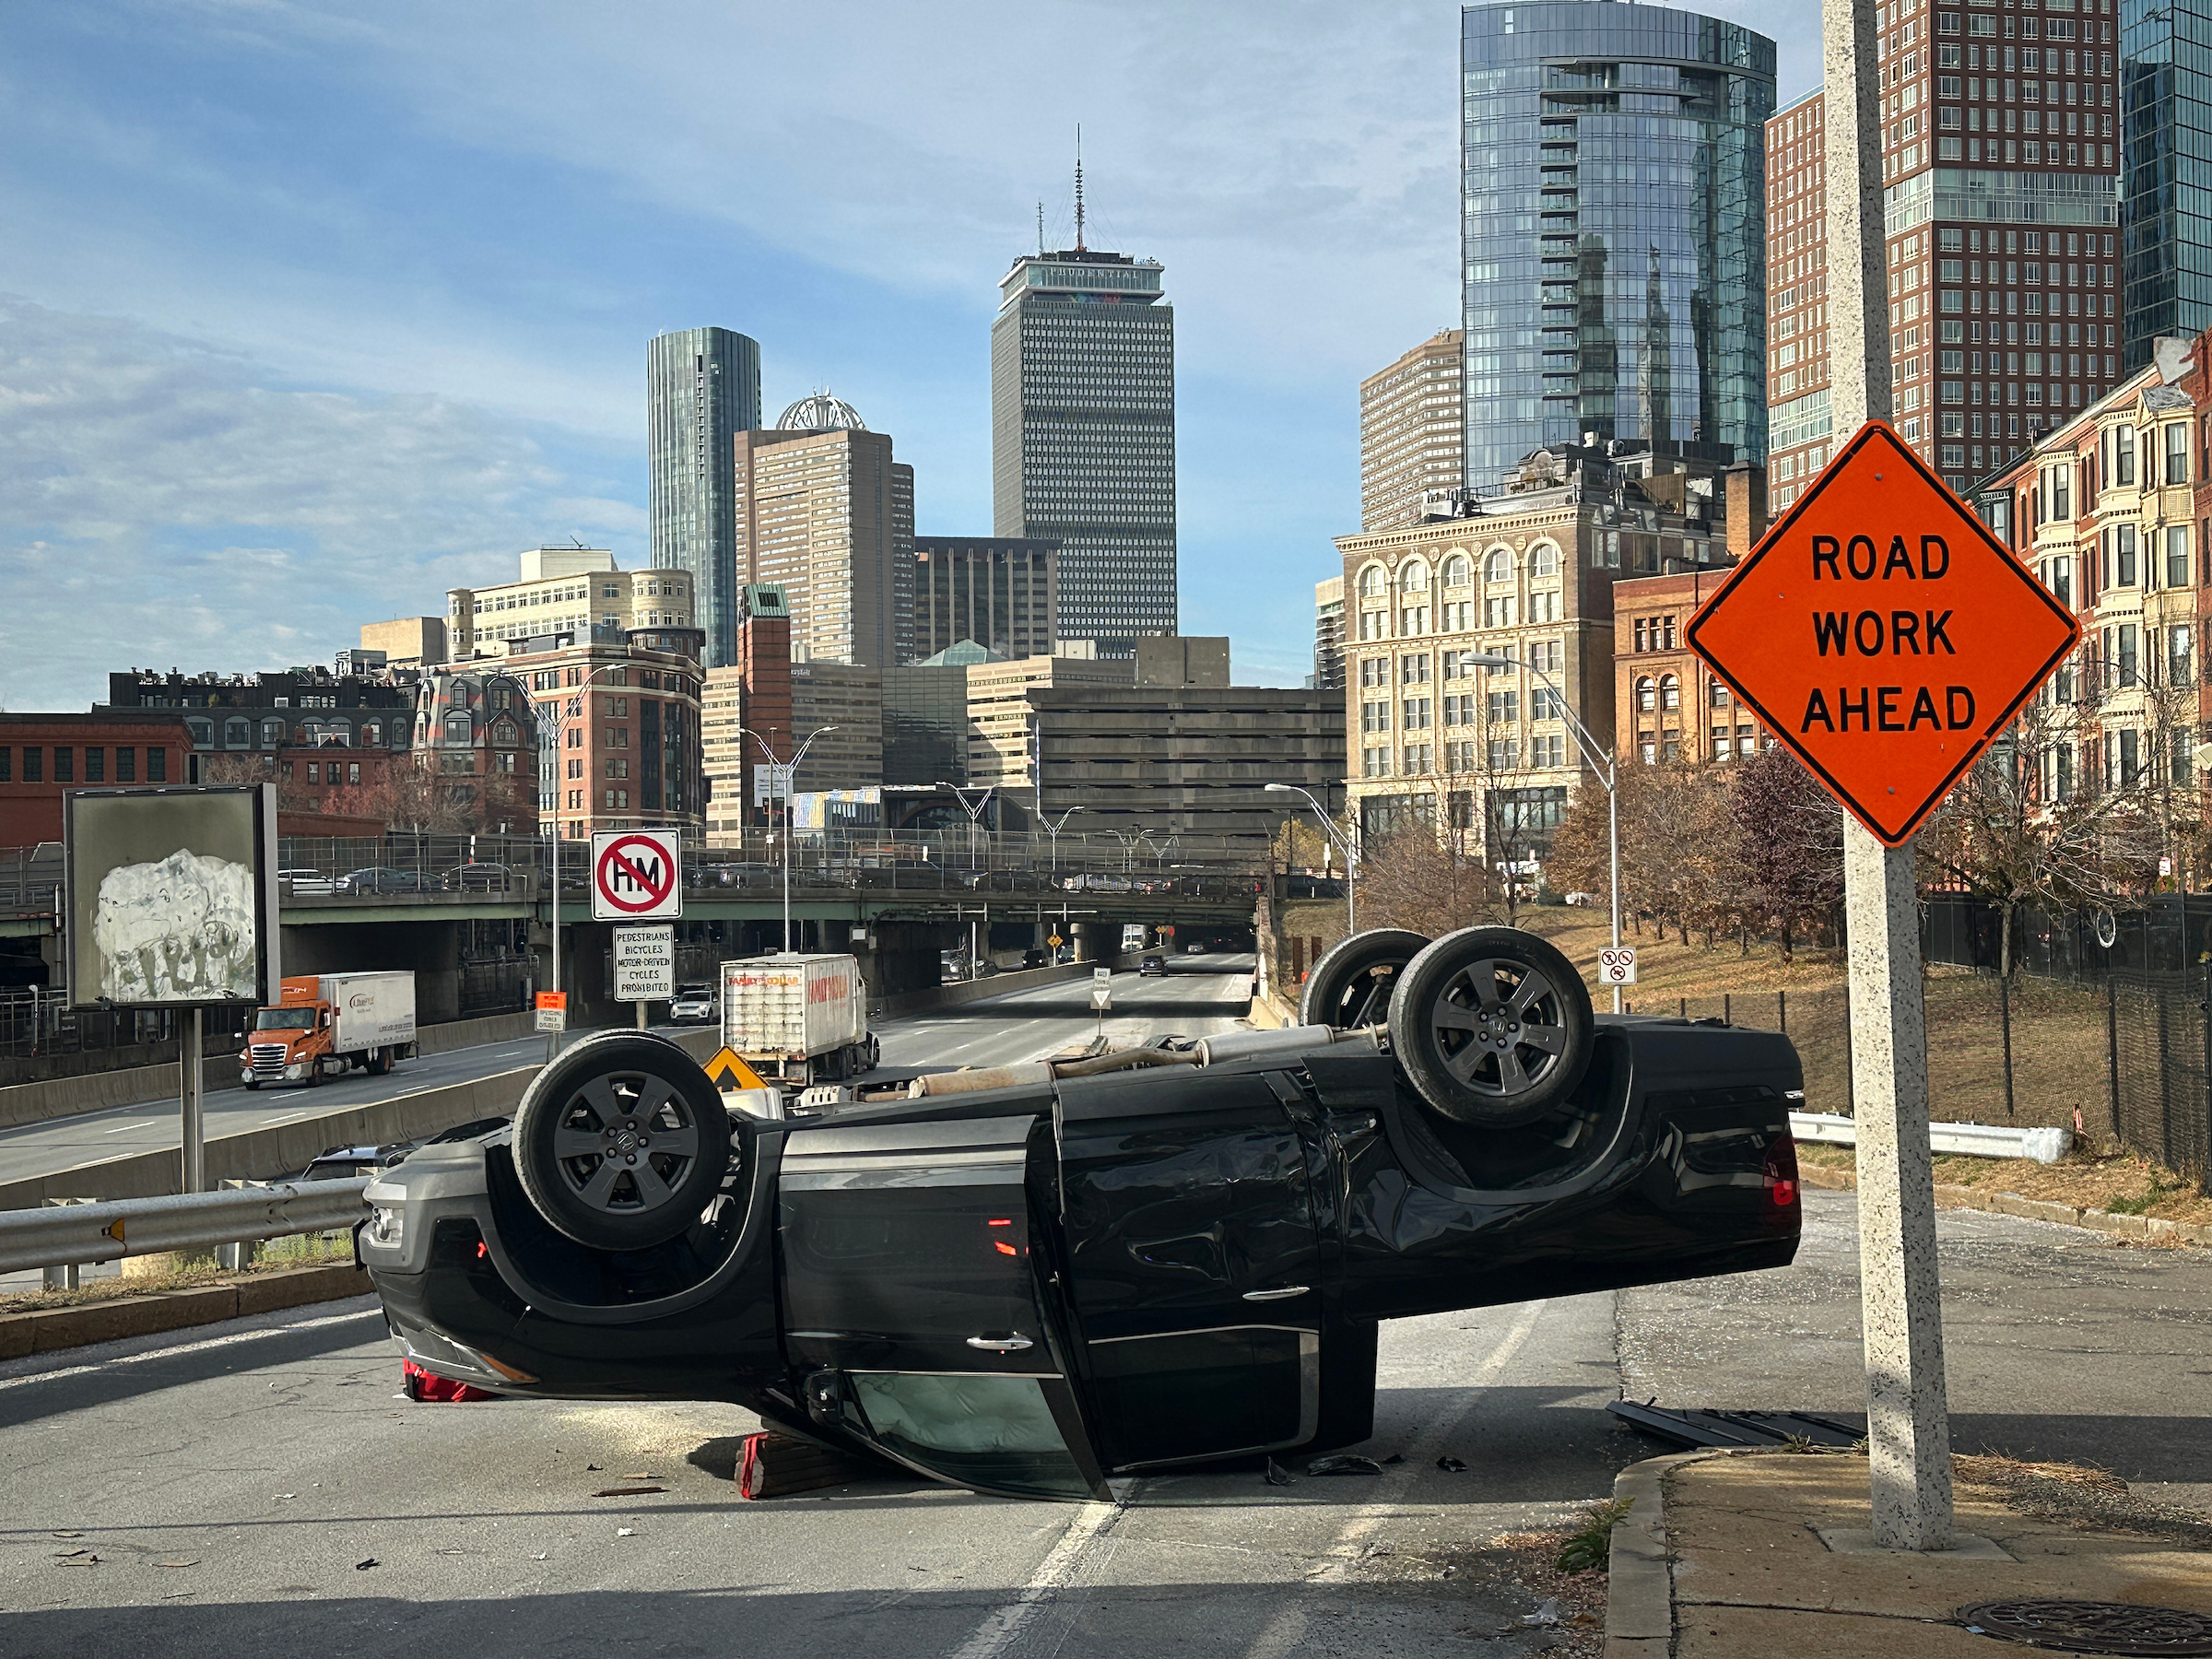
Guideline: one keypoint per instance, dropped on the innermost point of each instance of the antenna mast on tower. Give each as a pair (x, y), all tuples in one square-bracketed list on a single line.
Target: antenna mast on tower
[(1040, 227), (1078, 187)]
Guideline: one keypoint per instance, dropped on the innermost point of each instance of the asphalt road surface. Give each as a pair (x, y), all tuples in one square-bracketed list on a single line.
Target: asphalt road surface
[(259, 1483)]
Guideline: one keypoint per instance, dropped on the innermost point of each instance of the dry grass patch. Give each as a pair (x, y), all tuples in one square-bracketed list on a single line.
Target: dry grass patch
[(1666, 970), (2127, 1184), (277, 1255)]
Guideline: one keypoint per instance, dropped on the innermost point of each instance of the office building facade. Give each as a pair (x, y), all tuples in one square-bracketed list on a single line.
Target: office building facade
[(561, 590), (1328, 634), (1412, 432), (703, 387), (1998, 161), (1001, 591), (824, 512), (1083, 435), (2165, 194), (618, 730), (1613, 224)]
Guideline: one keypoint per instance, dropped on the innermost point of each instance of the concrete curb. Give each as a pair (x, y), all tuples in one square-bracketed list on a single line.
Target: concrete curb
[(1640, 1590), (41, 1330), (2033, 1209)]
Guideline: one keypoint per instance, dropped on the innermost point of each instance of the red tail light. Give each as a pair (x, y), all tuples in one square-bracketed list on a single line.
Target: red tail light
[(1778, 1174)]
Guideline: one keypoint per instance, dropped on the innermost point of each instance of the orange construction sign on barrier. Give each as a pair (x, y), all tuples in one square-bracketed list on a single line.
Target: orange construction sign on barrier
[(1883, 634)]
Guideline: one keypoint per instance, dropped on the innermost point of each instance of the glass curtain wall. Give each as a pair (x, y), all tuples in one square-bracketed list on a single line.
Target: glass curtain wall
[(1613, 219)]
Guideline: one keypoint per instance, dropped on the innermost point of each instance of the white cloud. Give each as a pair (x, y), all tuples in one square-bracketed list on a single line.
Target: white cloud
[(162, 502)]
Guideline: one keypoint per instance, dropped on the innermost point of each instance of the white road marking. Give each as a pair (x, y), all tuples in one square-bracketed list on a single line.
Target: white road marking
[(191, 1347), (1067, 1560), (1287, 1629)]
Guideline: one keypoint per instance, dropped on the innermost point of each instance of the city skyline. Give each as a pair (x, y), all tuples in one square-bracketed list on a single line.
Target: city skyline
[(379, 326)]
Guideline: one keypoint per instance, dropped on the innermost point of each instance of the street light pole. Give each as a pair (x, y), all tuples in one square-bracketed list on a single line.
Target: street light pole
[(1604, 764), (1341, 842), (790, 773)]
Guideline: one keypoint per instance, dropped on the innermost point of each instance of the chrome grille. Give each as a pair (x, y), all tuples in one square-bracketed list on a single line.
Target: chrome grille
[(266, 1059)]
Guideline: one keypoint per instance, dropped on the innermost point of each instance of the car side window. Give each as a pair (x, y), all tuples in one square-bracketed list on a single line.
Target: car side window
[(997, 1434)]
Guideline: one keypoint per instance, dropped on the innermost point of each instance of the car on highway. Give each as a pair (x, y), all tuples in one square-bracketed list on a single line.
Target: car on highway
[(694, 1005), (1196, 947), (377, 879), (306, 884), (477, 878), (1027, 1279), (1152, 967)]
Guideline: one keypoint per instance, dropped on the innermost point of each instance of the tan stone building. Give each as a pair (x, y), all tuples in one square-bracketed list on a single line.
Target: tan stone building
[(823, 511), (1412, 436), (849, 698), (1433, 735), (560, 589), (1000, 751), (619, 732)]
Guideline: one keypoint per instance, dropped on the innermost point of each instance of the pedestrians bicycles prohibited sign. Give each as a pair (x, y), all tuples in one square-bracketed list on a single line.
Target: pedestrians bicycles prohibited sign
[(645, 963), (637, 876), (1617, 965), (1883, 634)]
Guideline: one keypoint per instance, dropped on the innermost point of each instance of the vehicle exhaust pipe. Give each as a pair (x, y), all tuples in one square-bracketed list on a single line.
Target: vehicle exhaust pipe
[(1286, 1040), (931, 1085)]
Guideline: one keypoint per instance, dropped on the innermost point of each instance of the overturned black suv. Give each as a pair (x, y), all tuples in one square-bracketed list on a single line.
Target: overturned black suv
[(1026, 1279)]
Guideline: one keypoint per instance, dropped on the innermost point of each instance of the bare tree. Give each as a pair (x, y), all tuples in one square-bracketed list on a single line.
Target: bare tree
[(1787, 846)]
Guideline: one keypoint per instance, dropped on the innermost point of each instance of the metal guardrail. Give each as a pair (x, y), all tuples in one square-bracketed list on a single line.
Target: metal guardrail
[(1975, 1140), (78, 1234)]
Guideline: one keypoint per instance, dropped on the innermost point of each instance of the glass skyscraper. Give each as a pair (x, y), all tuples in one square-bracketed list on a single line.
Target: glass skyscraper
[(1612, 217), (703, 387), (1083, 435), (2166, 171)]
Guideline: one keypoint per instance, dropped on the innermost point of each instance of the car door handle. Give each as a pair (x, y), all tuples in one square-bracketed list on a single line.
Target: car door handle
[(1000, 1344), (1285, 1294)]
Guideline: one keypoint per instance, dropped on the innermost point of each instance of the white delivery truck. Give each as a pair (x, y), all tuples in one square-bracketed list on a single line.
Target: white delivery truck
[(799, 1020), (325, 1024)]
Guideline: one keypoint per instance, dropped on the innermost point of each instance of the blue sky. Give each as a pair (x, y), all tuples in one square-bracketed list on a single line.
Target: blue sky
[(309, 311)]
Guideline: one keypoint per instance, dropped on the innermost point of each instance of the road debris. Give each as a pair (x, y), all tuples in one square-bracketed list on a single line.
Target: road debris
[(1451, 1466), (364, 1566), (1346, 1463), (1277, 1475), (627, 1491)]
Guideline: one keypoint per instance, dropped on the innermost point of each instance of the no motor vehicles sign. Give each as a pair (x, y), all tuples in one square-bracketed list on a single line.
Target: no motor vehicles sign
[(637, 876), (1883, 634)]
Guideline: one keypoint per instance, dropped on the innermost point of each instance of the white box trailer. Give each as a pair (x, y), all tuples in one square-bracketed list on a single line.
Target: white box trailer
[(798, 1020), (325, 1024)]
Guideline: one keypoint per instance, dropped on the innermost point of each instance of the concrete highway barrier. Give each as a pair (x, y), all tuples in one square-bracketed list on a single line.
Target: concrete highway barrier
[(1976, 1140), (96, 1091)]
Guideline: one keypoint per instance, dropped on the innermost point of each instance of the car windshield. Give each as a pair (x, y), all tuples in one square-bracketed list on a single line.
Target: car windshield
[(284, 1019)]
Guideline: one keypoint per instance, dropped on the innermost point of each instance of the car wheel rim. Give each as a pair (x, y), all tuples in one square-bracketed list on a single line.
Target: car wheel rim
[(625, 1143), (1500, 1028)]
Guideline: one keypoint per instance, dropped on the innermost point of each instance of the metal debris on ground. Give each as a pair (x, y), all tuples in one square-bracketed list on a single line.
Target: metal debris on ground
[(1737, 1427), (1451, 1466), (2092, 1627), (633, 1491), (1344, 1464), (364, 1566), (1277, 1475)]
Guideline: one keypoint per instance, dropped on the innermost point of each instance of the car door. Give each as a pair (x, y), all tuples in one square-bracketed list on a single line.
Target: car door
[(1193, 1266), (913, 1308)]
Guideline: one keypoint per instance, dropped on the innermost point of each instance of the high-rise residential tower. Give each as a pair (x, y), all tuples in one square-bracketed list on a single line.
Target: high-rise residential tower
[(1998, 157), (824, 512), (703, 387), (1412, 432), (1612, 226), (2165, 196), (1083, 434)]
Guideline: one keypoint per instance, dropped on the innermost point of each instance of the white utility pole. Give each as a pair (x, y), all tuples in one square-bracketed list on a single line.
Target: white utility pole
[(1908, 1421)]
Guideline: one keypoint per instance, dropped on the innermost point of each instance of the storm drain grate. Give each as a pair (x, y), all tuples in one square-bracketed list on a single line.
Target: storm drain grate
[(2092, 1627)]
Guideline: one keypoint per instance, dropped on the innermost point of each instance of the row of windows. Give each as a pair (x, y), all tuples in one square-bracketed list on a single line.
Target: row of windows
[(1544, 656), (1545, 752), (96, 768), (1462, 709), (239, 733), (1458, 570)]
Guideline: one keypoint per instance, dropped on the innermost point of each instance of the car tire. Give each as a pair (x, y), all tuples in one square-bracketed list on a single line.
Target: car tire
[(648, 1103), (1350, 985), (1492, 1027)]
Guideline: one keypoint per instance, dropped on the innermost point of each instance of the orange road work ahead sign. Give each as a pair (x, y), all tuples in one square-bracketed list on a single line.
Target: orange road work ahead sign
[(1883, 634)]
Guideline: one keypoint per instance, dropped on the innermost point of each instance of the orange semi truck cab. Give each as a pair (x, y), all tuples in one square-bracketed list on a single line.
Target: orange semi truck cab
[(327, 1024)]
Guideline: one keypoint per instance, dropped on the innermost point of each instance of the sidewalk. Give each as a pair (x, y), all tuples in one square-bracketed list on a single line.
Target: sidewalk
[(1722, 1556)]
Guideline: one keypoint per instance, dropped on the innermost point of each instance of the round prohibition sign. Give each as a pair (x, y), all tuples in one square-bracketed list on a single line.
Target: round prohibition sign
[(617, 858)]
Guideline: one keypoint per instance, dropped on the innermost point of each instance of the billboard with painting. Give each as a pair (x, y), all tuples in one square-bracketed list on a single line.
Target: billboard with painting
[(170, 896)]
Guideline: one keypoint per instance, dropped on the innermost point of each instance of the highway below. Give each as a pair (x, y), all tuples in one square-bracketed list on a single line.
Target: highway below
[(263, 1482), (1015, 1026)]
